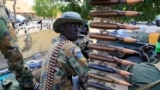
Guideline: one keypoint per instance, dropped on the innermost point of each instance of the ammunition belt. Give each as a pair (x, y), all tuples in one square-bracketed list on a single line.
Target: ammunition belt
[(52, 65)]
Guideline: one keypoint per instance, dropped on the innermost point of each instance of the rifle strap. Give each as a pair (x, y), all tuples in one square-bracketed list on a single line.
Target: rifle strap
[(147, 86)]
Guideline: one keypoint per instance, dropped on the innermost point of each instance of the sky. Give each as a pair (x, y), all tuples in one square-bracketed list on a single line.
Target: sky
[(29, 1)]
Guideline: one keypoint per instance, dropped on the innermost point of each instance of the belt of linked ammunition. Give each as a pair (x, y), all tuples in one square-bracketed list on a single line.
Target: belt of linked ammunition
[(52, 65)]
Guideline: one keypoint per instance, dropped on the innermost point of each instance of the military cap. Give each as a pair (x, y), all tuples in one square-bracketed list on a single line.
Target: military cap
[(69, 16)]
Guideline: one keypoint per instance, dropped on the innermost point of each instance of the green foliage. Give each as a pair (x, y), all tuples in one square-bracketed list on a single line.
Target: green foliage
[(81, 6), (49, 8), (149, 9), (46, 8)]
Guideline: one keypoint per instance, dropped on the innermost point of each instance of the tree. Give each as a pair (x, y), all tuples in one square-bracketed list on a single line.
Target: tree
[(46, 8), (81, 6), (149, 9)]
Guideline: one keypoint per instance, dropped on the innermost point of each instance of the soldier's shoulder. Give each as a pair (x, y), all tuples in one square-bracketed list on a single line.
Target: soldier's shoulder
[(3, 21), (69, 45), (55, 39), (70, 48)]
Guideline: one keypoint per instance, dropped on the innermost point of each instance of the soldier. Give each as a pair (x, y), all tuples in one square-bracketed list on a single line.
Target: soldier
[(64, 58), (9, 48), (84, 40)]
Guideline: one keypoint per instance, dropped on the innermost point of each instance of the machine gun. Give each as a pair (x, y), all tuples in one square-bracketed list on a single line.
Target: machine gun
[(99, 13), (111, 38), (112, 26), (110, 48)]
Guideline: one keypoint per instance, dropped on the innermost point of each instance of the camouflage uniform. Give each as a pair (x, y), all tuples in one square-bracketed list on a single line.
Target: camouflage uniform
[(83, 41), (70, 62), (9, 48)]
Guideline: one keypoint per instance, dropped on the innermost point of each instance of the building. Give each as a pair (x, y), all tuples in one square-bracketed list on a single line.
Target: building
[(21, 7)]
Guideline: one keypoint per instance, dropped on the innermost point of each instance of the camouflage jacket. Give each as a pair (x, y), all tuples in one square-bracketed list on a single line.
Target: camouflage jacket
[(83, 42), (70, 61)]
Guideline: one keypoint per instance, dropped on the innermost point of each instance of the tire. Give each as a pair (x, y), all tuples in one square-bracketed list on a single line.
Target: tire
[(135, 59)]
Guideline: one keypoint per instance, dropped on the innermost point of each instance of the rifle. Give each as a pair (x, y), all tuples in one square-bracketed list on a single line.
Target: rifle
[(104, 25), (111, 48), (99, 86), (112, 38), (115, 13), (110, 80), (112, 2), (110, 59), (109, 69)]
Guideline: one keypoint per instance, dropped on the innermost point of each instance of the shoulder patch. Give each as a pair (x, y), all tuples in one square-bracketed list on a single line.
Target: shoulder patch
[(79, 55)]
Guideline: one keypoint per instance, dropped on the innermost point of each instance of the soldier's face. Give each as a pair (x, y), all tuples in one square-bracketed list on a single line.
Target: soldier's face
[(71, 30)]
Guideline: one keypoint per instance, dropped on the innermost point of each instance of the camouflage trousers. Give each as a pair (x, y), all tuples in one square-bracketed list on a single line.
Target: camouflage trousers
[(9, 48)]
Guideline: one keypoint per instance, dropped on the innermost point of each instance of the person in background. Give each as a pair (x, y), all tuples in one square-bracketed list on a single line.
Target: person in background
[(10, 50), (84, 40)]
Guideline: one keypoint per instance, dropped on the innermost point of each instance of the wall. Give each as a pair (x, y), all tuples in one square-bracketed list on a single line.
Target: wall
[(35, 42)]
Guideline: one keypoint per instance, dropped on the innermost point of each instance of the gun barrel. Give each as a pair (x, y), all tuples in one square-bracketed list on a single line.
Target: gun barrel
[(102, 25), (112, 38), (103, 58), (124, 73), (109, 59), (112, 2), (100, 13), (98, 86), (109, 69), (102, 68), (109, 79), (111, 49)]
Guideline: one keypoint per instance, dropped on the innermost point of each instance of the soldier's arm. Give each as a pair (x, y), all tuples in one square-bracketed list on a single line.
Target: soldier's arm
[(3, 28), (79, 64), (9, 48)]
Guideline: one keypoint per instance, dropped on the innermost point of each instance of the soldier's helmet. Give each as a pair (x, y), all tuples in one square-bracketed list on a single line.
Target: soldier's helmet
[(69, 16)]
